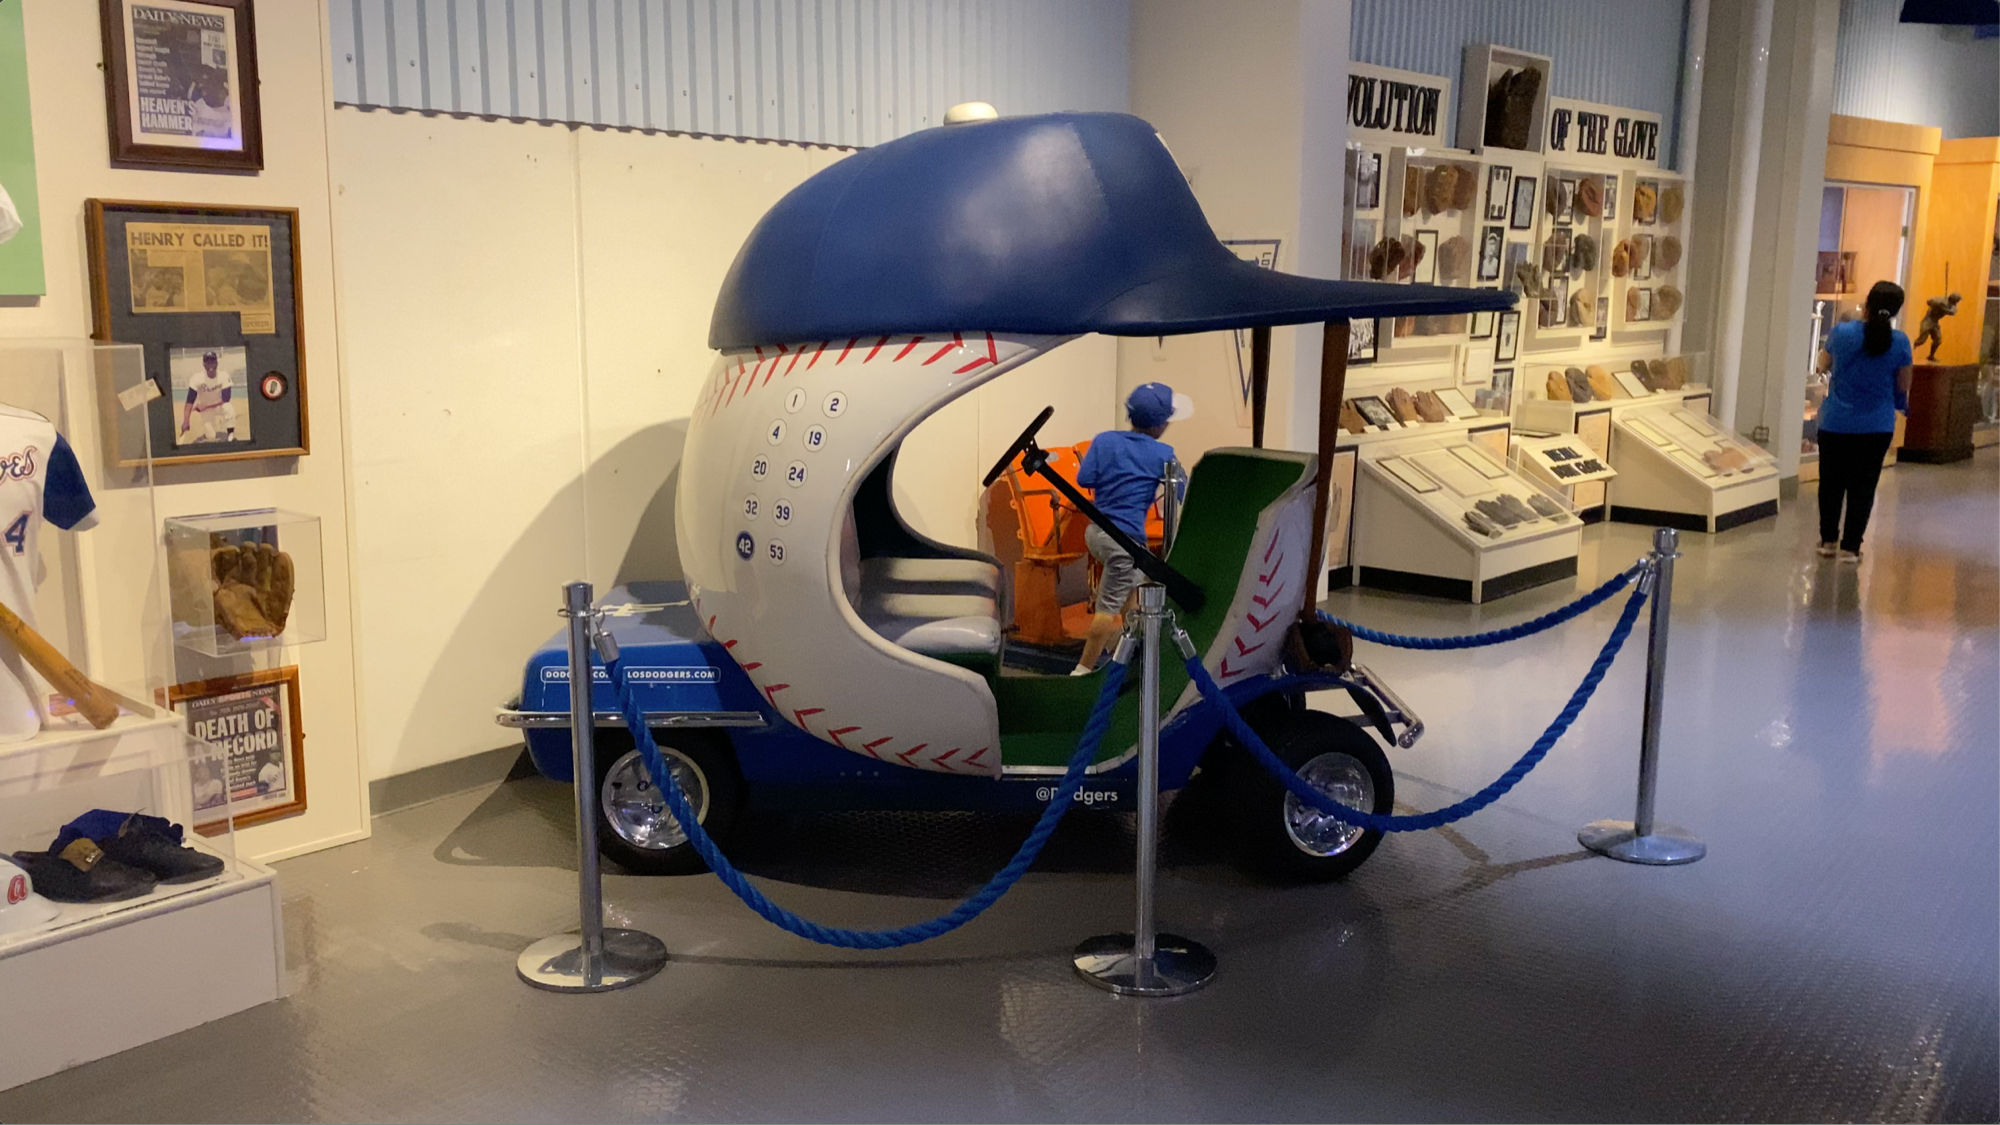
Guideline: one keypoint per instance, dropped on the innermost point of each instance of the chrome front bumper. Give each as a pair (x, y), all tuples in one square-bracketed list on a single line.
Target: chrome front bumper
[(1394, 712), (514, 719)]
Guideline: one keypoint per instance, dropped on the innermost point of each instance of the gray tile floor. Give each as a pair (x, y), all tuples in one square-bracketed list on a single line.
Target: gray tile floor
[(1833, 737)]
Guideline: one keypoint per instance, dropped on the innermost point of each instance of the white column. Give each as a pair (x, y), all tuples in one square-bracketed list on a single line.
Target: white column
[(1740, 220)]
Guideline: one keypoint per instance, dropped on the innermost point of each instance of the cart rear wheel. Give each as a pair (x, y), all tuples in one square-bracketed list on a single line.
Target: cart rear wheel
[(1286, 837), (634, 828)]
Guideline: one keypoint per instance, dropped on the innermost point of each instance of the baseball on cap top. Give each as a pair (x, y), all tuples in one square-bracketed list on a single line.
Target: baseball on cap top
[(1156, 404)]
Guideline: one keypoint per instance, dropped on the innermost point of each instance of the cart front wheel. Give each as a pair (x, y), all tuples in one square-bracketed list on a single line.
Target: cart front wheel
[(1286, 837), (634, 828)]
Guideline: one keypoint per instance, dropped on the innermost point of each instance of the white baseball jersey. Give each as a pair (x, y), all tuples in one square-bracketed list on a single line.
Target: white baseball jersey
[(39, 480), (207, 391)]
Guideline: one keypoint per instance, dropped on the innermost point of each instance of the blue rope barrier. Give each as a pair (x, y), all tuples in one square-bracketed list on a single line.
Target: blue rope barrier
[(966, 911), (1543, 623), (1240, 730)]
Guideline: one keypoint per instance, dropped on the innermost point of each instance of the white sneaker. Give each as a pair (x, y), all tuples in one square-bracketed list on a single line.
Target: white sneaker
[(1080, 670)]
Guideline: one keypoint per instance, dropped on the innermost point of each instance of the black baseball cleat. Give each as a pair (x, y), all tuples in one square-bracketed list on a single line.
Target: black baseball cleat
[(82, 872), (153, 844)]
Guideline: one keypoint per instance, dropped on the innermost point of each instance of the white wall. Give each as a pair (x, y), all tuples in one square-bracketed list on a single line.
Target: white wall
[(1251, 100), (524, 318), (66, 90)]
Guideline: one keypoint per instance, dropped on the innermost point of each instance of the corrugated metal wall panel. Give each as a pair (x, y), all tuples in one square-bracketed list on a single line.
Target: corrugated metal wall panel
[(850, 72), (1618, 52), (1918, 74)]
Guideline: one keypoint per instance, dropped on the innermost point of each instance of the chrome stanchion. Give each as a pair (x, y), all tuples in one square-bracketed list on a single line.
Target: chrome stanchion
[(592, 958), (1640, 840), (1146, 962)]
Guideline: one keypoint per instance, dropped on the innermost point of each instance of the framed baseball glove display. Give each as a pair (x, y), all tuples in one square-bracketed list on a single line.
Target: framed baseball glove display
[(212, 293), (247, 580)]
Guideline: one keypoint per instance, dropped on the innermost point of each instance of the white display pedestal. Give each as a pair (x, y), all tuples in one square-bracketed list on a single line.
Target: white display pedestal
[(101, 978), (96, 988)]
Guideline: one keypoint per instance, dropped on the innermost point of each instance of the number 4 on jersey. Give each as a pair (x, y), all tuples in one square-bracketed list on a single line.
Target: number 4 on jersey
[(17, 533)]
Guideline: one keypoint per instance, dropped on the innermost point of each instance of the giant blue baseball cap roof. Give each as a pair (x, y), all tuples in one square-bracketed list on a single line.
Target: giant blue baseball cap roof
[(1059, 224)]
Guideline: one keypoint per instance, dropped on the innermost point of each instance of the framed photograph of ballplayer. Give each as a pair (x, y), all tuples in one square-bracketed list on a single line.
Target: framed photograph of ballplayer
[(212, 293), (252, 765), (1361, 340), (1523, 215), (180, 84), (1507, 337)]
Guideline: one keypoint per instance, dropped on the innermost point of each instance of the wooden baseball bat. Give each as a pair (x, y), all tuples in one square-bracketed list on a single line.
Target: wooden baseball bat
[(92, 701)]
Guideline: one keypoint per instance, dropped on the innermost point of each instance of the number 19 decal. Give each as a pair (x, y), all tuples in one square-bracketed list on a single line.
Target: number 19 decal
[(17, 534)]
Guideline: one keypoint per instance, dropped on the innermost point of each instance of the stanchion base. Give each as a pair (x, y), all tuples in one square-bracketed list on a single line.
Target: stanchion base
[(556, 963), (1664, 846), (1178, 965)]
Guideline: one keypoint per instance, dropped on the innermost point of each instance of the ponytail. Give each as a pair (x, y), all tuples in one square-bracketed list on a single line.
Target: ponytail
[(1878, 327)]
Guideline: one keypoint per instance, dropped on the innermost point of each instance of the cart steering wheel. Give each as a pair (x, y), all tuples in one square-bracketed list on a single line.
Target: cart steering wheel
[(1036, 461)]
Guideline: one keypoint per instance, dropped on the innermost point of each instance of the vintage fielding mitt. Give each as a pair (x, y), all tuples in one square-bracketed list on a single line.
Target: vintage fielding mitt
[(1351, 419), (1466, 191), (1582, 310), (1666, 302), (1645, 202), (1590, 196), (1672, 202), (1405, 405), (1440, 188), (253, 589)]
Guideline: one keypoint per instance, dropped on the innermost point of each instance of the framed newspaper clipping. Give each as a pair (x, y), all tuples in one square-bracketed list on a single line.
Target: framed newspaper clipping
[(252, 768), (212, 293), (180, 84)]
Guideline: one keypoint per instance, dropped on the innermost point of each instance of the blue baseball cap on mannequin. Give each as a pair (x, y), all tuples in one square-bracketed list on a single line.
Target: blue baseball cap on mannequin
[(1156, 404)]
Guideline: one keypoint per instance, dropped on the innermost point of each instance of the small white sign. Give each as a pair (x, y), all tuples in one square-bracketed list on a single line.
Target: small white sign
[(1603, 134), (138, 394)]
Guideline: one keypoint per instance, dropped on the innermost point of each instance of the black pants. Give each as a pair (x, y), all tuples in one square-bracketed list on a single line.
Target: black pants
[(1850, 465)]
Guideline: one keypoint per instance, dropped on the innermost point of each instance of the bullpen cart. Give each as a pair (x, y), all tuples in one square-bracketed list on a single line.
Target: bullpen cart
[(822, 654)]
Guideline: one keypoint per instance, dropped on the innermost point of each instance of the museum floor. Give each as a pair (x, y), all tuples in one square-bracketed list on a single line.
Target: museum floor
[(1833, 737)]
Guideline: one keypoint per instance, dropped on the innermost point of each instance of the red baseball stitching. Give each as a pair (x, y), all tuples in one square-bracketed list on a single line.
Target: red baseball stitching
[(940, 762), (907, 348)]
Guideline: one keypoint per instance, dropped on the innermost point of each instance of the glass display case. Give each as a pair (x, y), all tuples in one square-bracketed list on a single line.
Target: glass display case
[(1648, 260), (245, 580), (1446, 516), (1679, 466), (1472, 491), (1415, 215), (1565, 277), (87, 735)]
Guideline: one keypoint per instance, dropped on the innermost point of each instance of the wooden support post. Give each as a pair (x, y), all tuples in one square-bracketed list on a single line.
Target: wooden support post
[(1260, 380), (1332, 389)]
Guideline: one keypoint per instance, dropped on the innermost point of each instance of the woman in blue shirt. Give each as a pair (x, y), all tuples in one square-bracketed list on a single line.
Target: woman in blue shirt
[(1870, 360)]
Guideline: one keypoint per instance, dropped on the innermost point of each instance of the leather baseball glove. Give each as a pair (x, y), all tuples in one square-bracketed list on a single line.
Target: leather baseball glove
[(253, 589)]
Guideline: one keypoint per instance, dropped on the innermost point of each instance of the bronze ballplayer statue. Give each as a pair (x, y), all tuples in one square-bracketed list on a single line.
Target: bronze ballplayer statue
[(1931, 327)]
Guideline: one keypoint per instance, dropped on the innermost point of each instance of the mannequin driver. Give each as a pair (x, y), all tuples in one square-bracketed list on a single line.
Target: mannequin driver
[(1124, 467)]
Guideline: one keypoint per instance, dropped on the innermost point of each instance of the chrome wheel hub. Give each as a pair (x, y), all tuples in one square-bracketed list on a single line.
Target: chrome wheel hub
[(1343, 778), (634, 807)]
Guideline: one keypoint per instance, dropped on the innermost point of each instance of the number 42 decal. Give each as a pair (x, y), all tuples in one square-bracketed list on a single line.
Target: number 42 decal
[(17, 534)]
